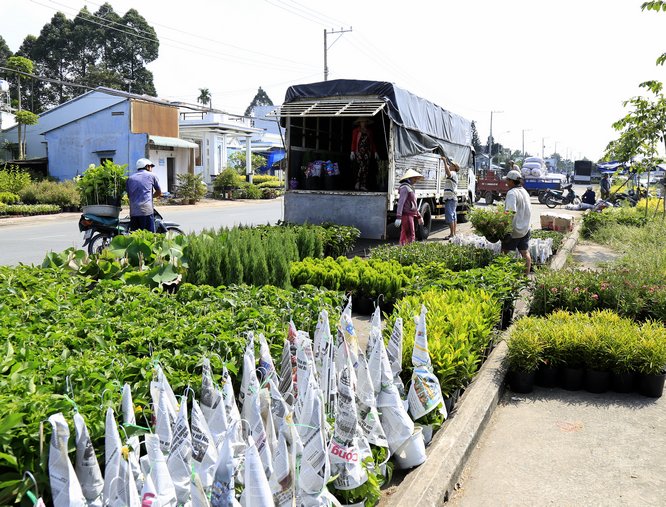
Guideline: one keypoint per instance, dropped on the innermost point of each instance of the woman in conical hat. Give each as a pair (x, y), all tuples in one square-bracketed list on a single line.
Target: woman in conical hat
[(407, 208)]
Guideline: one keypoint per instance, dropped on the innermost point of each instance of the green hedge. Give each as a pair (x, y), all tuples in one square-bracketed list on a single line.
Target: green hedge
[(9, 198), (63, 194), (28, 209)]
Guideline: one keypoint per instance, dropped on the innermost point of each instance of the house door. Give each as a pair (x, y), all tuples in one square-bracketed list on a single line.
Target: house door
[(171, 174)]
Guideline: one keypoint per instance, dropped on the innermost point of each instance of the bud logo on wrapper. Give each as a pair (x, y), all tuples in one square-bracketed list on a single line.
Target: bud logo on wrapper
[(344, 453)]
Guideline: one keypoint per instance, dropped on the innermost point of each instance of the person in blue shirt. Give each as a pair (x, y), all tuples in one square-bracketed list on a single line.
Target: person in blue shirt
[(142, 187)]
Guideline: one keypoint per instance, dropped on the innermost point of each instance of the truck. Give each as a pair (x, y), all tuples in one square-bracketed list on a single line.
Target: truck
[(408, 132), (492, 187)]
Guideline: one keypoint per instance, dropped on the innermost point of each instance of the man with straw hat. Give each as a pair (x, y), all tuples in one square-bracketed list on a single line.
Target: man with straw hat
[(407, 207)]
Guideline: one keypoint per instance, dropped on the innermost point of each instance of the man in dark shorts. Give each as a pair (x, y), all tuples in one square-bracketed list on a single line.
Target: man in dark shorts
[(518, 202), (142, 186)]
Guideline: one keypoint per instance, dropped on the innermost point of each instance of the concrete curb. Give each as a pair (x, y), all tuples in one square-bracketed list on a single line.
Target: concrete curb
[(433, 482)]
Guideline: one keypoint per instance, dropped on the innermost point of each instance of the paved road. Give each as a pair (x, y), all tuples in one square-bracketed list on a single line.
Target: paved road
[(27, 240)]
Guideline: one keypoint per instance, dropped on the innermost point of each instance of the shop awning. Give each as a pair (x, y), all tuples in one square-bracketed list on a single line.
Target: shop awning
[(344, 107), (171, 142)]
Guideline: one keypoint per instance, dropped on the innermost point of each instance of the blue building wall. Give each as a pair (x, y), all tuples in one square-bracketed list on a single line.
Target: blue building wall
[(76, 145)]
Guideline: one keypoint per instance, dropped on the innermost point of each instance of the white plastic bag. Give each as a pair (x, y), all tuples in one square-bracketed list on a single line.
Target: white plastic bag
[(65, 486)]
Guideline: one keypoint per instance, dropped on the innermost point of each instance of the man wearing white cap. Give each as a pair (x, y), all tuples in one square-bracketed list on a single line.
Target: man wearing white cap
[(407, 206), (142, 186), (518, 202)]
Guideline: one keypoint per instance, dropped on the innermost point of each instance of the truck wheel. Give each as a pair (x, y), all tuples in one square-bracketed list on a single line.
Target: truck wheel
[(423, 231), (489, 197)]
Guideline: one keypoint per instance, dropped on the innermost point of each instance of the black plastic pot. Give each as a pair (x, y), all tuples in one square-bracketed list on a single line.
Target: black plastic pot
[(597, 381), (548, 376), (651, 385), (449, 403), (364, 305), (572, 378), (507, 314), (522, 381), (622, 382)]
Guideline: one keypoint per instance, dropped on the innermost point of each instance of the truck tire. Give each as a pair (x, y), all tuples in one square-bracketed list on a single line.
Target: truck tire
[(489, 197), (423, 231)]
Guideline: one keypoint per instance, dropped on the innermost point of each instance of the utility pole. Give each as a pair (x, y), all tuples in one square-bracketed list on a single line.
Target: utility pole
[(326, 46), (524, 130), (491, 141)]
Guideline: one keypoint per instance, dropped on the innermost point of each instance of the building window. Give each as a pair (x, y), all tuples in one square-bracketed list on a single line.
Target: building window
[(104, 159)]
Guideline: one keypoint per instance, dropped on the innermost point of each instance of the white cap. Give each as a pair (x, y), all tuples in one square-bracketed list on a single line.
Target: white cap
[(589, 187), (513, 175), (143, 162)]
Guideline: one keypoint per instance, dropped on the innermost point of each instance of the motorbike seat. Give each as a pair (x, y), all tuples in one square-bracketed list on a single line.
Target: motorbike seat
[(106, 221)]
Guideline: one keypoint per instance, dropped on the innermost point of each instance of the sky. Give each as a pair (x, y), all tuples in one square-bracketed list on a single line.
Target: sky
[(554, 74)]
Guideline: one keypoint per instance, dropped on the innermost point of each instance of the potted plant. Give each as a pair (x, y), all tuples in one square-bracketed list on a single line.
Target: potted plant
[(101, 188), (650, 359), (191, 188), (493, 223), (523, 356)]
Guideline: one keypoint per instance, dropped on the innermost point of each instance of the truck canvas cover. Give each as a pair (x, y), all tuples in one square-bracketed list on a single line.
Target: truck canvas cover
[(420, 125)]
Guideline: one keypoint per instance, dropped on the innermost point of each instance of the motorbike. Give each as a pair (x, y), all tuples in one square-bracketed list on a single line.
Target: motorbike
[(99, 231), (567, 195)]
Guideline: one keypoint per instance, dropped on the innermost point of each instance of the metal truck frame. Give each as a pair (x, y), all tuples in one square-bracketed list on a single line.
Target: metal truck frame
[(409, 132)]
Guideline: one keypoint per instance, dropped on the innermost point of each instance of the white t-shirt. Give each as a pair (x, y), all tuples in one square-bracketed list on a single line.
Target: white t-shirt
[(450, 186), (518, 200)]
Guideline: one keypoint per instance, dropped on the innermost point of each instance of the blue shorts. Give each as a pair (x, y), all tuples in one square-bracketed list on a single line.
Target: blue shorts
[(450, 206), (145, 222), (510, 244)]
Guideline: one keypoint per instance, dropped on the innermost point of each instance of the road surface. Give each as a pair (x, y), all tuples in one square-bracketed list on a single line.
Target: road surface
[(27, 240)]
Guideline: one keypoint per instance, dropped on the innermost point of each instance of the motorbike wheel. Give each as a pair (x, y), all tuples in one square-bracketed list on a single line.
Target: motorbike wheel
[(576, 200), (542, 197), (176, 231), (99, 242), (550, 202)]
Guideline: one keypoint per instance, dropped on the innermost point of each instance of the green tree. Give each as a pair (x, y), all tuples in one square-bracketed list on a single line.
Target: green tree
[(237, 162), (642, 130), (205, 98), (260, 99), (24, 118), (476, 141), (5, 53), (22, 66), (53, 57), (656, 5)]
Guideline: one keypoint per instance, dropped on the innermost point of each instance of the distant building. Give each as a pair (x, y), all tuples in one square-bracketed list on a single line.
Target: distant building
[(107, 124), (216, 134)]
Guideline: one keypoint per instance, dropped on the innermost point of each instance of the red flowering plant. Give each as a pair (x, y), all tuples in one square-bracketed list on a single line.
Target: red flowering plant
[(492, 222)]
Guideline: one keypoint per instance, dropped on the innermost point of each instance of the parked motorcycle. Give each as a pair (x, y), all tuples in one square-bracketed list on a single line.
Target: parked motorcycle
[(99, 231), (567, 195)]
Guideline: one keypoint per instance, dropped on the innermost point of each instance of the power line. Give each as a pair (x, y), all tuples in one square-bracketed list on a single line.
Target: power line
[(183, 45)]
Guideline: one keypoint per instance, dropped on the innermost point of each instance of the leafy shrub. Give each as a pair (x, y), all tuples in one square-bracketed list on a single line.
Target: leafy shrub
[(634, 292), (228, 178), (247, 191), (265, 179), (600, 340), (13, 179), (64, 194), (102, 184), (28, 209), (449, 256), (459, 326), (492, 222), (9, 198), (625, 215), (190, 187)]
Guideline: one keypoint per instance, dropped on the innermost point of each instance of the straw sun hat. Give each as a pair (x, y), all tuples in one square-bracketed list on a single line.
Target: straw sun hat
[(411, 173)]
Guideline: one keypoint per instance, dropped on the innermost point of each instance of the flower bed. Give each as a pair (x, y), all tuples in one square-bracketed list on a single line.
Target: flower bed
[(637, 292)]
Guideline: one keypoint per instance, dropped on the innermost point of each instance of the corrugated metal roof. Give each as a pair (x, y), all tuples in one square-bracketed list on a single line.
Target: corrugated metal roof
[(342, 107), (172, 142)]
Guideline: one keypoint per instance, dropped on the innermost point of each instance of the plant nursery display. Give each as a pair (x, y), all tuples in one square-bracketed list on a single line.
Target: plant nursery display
[(492, 222), (606, 348), (116, 366), (102, 186)]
